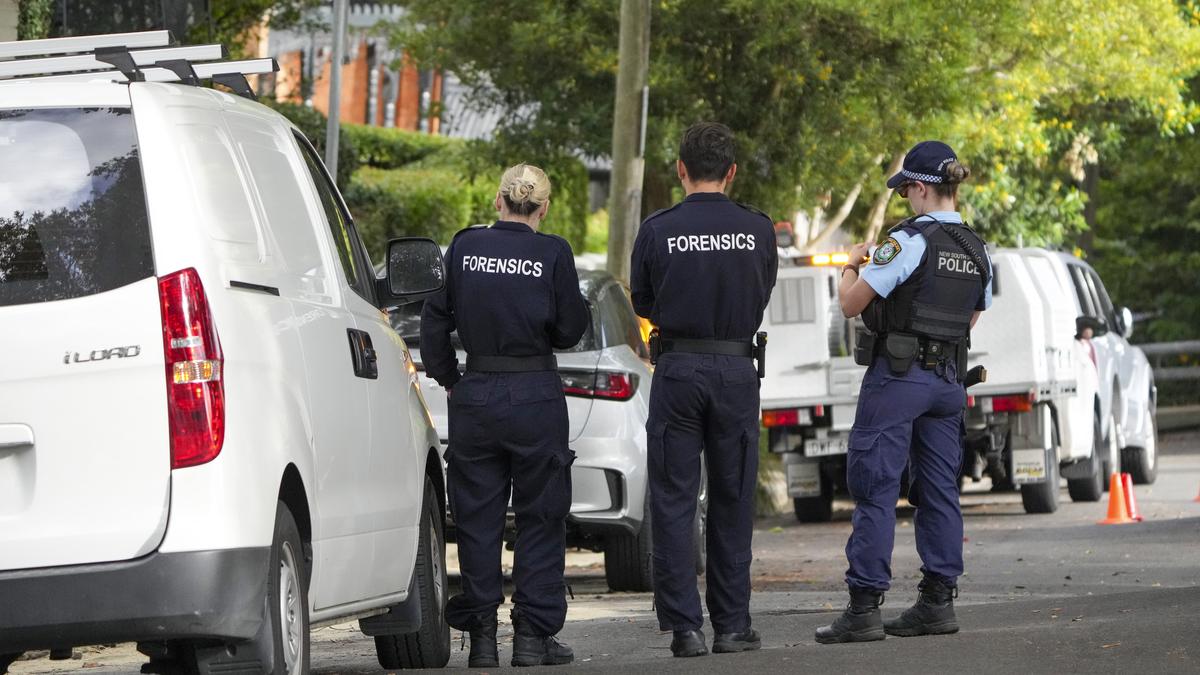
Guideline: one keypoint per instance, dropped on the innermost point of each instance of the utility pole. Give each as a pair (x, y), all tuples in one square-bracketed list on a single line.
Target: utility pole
[(340, 8), (629, 135)]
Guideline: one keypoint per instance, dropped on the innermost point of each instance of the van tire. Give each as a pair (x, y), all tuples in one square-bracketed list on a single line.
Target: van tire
[(1043, 497), (429, 646), (1091, 488), (628, 558), (287, 562), (1142, 462)]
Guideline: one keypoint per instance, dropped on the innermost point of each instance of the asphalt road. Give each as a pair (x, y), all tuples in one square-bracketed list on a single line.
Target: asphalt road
[(1042, 594)]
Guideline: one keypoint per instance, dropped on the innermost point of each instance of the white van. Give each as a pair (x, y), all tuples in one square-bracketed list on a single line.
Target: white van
[(1053, 405), (210, 437)]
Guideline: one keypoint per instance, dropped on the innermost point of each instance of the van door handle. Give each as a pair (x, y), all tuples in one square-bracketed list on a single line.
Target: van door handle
[(362, 353)]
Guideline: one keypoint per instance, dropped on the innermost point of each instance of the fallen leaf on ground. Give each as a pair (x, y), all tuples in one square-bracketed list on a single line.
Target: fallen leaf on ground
[(1111, 644)]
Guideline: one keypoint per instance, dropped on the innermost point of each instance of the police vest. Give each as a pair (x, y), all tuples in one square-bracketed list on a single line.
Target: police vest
[(938, 300)]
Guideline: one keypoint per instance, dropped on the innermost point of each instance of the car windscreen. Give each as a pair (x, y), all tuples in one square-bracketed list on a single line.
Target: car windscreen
[(406, 321), (73, 218)]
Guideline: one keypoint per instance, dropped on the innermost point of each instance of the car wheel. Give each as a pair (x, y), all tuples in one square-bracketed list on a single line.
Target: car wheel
[(428, 647), (7, 660), (1091, 487), (1043, 497), (1142, 462), (628, 558)]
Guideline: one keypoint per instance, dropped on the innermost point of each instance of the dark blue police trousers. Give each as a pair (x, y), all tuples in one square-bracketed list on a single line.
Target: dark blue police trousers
[(510, 431), (703, 403), (913, 419)]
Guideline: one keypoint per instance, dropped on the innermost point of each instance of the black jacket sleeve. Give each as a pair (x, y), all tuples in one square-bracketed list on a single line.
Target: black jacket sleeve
[(571, 314), (641, 281), (437, 322)]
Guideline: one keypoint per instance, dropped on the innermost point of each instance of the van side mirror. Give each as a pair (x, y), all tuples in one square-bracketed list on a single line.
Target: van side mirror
[(1096, 325), (1126, 323), (415, 269)]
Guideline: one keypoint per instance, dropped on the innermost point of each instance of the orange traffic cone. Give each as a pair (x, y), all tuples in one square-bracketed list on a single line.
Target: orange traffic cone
[(1130, 502), (1118, 513)]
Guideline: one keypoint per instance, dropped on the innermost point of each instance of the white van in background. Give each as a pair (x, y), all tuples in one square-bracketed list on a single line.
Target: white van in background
[(1053, 405), (210, 437)]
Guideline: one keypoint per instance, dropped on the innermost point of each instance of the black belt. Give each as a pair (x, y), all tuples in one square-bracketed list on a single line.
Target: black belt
[(511, 364), (722, 347)]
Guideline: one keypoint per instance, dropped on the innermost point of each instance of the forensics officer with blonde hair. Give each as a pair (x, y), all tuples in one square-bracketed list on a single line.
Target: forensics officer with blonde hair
[(512, 293)]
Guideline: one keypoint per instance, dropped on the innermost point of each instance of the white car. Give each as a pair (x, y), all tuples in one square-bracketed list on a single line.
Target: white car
[(607, 381), (210, 437)]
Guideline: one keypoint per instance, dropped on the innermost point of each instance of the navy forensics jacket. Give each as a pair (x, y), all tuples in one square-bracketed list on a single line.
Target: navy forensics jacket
[(704, 268), (510, 291)]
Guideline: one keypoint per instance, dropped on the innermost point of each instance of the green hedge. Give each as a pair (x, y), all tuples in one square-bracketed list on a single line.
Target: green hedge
[(413, 202), (385, 148)]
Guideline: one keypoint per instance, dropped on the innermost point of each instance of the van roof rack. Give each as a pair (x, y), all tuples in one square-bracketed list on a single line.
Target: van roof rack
[(126, 57)]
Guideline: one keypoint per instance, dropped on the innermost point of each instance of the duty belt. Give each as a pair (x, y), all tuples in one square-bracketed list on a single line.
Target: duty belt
[(723, 347), (511, 364)]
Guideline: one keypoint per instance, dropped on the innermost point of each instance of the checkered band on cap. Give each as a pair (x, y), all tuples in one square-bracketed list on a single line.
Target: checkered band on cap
[(923, 177)]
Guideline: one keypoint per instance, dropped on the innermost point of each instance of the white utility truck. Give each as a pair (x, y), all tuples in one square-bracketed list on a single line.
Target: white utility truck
[(1040, 415)]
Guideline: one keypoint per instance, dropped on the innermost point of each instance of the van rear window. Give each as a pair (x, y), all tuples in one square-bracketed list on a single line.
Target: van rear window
[(73, 216)]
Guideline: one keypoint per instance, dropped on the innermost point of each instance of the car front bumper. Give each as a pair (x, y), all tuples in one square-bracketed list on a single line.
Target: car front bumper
[(163, 596)]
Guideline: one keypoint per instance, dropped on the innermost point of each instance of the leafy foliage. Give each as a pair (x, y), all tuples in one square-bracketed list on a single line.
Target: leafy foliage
[(33, 19), (818, 90)]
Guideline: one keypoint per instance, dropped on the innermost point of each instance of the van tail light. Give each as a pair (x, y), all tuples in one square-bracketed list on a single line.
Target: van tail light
[(781, 418), (195, 391), (616, 386), (1018, 403)]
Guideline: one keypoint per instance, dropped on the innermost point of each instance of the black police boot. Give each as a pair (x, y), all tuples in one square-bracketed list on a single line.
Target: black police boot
[(933, 614), (688, 643), (861, 622), (483, 645), (533, 649), (728, 643)]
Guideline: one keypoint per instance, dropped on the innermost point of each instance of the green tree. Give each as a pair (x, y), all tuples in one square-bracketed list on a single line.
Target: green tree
[(825, 94)]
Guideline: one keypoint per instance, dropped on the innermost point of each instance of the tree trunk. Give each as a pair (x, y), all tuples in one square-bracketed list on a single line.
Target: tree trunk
[(879, 209), (624, 202)]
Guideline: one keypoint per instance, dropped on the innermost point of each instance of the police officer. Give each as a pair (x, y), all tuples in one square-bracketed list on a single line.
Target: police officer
[(922, 291), (702, 273), (512, 293)]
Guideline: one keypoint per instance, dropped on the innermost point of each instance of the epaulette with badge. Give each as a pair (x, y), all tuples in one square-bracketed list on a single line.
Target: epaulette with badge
[(659, 212)]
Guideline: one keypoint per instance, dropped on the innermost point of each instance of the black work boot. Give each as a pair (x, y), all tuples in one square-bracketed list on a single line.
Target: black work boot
[(533, 649), (728, 643), (861, 622), (933, 614), (686, 643), (483, 645)]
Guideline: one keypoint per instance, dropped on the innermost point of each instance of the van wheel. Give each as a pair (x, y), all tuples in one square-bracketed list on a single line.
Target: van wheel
[(628, 558), (428, 647), (1142, 463), (287, 596), (7, 660), (1091, 487), (1043, 497)]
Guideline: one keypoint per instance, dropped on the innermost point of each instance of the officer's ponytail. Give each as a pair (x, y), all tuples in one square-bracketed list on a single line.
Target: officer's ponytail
[(955, 173), (524, 189)]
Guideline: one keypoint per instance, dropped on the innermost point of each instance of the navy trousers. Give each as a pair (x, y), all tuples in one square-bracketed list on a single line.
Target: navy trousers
[(508, 431), (913, 419), (703, 403)]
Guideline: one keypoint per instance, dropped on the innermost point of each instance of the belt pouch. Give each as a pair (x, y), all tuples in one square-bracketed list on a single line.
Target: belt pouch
[(864, 347), (901, 351)]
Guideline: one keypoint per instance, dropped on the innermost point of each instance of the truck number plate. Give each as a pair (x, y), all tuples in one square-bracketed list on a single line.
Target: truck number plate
[(820, 447)]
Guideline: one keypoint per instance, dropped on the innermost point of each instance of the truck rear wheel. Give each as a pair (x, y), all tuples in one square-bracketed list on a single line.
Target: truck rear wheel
[(1091, 487), (817, 509), (1043, 497)]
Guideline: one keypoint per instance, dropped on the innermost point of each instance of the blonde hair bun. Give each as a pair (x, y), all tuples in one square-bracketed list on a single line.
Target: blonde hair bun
[(956, 173), (525, 188)]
